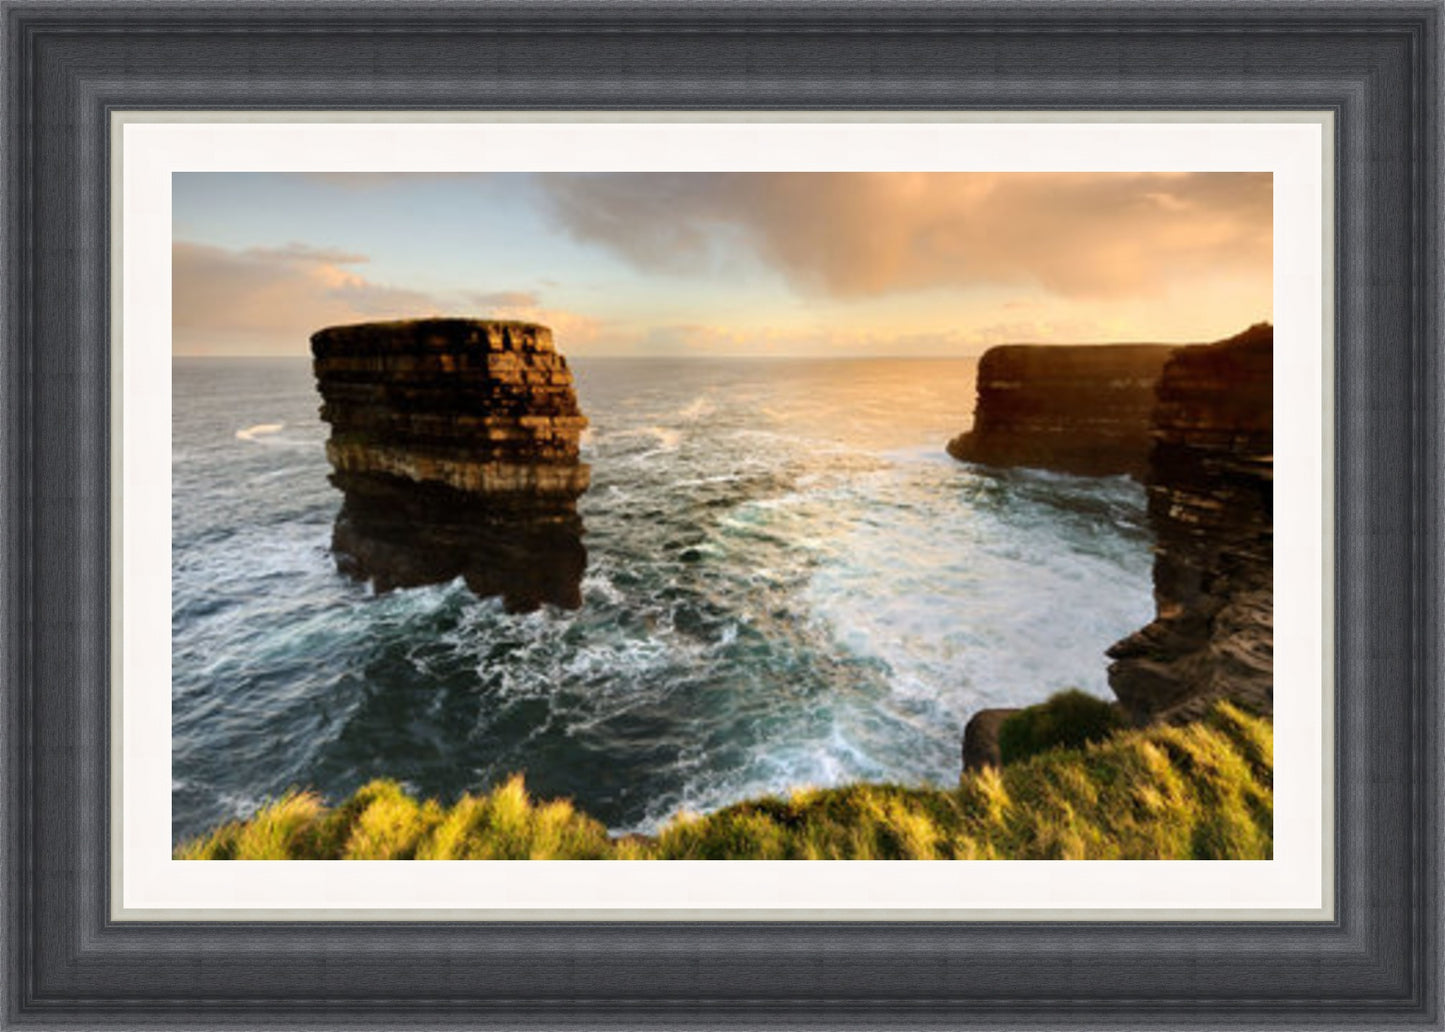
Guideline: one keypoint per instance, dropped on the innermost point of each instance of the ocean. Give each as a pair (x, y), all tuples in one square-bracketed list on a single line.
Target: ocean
[(788, 583)]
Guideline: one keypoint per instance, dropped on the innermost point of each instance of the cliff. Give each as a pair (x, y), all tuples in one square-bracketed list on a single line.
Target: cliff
[(1211, 504), (1210, 483), (455, 442), (1082, 409)]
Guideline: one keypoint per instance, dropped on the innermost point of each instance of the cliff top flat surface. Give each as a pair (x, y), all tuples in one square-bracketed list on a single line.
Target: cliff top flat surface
[(435, 333), (1257, 335), (1072, 349), (432, 322), (1072, 359), (1245, 359)]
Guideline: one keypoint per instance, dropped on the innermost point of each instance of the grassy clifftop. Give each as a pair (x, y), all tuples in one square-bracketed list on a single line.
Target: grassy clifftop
[(1203, 791)]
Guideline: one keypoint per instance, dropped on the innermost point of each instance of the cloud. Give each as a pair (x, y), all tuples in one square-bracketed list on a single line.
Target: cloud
[(571, 329), (503, 299), (298, 252), (696, 339), (269, 300), (1077, 235)]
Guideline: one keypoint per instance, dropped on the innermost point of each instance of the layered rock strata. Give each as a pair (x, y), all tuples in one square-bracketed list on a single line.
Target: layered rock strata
[(1210, 483), (1081, 409), (456, 444), (399, 534), (1211, 504)]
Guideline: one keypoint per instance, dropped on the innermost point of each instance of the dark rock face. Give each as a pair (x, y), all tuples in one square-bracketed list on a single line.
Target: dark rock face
[(1211, 503), (455, 442), (398, 534), (1081, 409), (980, 738)]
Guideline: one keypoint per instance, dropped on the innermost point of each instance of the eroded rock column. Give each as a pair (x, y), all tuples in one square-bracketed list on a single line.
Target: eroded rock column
[(456, 444)]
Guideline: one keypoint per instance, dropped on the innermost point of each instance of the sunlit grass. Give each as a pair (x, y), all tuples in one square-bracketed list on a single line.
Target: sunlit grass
[(1204, 791)]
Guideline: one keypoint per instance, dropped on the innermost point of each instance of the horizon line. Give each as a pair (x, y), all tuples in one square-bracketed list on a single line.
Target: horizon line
[(867, 356)]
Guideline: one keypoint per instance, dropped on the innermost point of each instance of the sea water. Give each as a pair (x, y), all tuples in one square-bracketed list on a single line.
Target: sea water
[(789, 583)]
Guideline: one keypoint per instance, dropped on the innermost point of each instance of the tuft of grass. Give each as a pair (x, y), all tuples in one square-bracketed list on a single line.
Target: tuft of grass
[(387, 824), (281, 830), (1068, 720), (1202, 791), (505, 824)]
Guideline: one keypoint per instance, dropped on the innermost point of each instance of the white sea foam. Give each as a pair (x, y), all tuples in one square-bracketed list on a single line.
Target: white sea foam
[(251, 433), (698, 408), (667, 437), (785, 587)]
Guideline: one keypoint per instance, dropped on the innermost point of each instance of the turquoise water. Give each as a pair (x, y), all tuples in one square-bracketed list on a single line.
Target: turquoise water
[(788, 582)]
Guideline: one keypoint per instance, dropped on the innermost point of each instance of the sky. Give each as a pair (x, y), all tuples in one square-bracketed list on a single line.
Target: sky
[(811, 264)]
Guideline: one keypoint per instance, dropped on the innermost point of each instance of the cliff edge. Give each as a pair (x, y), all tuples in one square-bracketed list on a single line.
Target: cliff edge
[(1081, 409), (1210, 481), (1211, 503)]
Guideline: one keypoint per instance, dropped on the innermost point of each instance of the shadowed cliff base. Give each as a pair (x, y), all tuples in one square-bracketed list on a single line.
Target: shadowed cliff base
[(1085, 409), (455, 442), (399, 534), (1204, 791)]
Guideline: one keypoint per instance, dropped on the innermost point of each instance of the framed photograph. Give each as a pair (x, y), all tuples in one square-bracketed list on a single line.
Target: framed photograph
[(730, 579), (476, 476)]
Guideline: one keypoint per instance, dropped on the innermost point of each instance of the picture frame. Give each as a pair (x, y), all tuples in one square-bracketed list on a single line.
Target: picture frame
[(68, 67)]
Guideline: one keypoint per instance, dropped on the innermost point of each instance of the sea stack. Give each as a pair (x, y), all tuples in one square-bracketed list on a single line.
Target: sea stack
[(455, 442), (1081, 409), (1211, 504)]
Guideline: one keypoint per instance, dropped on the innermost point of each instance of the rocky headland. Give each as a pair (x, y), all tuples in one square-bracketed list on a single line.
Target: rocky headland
[(1211, 504), (455, 443), (1082, 409), (1209, 473)]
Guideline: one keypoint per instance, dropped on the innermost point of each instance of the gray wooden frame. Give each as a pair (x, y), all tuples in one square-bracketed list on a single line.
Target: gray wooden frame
[(1375, 65)]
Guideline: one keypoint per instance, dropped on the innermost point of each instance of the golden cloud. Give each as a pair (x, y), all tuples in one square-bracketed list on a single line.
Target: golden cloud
[(1077, 235), (270, 300)]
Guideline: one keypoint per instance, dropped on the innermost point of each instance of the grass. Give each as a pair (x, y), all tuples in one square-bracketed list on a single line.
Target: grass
[(1202, 791), (1071, 719)]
